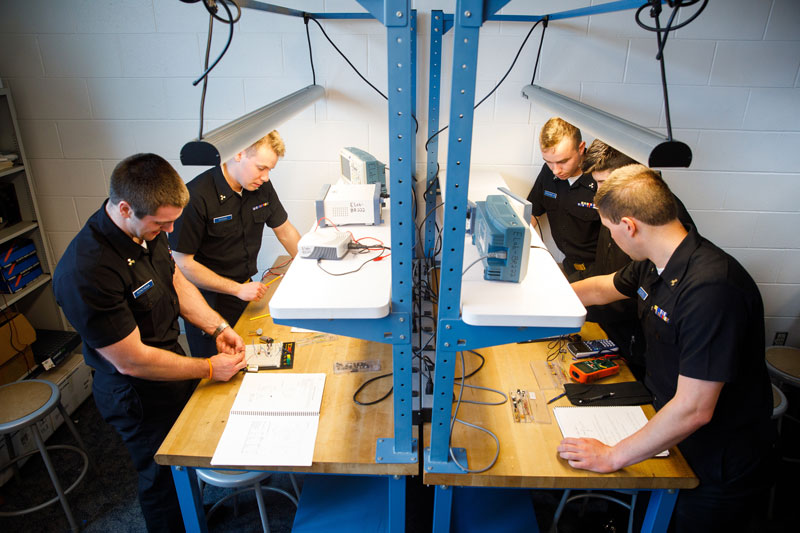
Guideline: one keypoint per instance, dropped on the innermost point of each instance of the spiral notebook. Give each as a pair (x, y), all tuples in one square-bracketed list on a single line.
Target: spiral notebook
[(273, 421), (608, 424)]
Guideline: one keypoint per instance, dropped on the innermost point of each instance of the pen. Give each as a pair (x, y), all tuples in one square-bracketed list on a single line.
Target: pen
[(556, 398), (595, 398)]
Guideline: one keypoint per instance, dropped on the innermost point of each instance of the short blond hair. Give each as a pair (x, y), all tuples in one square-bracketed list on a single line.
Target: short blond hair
[(639, 192), (557, 129), (600, 157), (273, 140)]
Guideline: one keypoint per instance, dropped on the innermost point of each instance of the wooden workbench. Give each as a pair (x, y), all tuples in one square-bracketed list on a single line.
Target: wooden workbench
[(528, 456), (347, 435)]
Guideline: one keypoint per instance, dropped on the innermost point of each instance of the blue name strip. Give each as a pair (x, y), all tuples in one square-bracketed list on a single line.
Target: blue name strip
[(143, 289), (223, 218), (642, 293), (550, 194)]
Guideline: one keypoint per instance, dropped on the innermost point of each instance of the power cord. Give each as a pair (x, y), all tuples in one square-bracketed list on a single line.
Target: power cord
[(504, 75), (655, 12), (349, 63), (492, 255)]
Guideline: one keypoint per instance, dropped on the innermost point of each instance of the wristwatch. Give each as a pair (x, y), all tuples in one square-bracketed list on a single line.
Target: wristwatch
[(220, 329)]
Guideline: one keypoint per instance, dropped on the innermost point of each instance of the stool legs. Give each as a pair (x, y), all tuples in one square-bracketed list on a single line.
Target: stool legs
[(262, 507), (71, 426), (53, 476)]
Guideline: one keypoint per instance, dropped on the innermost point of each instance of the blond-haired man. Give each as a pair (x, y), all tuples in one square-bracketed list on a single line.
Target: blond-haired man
[(217, 240), (703, 320), (566, 194)]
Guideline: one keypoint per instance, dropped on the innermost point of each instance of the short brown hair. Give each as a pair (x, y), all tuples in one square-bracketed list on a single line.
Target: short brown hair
[(555, 130), (639, 192), (600, 156), (273, 140), (147, 182)]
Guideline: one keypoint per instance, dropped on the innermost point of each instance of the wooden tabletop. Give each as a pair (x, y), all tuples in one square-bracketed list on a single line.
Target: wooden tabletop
[(347, 434), (528, 456)]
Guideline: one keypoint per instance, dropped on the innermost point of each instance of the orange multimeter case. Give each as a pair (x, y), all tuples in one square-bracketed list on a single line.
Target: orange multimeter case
[(590, 370)]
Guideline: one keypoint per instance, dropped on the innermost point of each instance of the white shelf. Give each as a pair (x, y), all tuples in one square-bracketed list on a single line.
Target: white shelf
[(20, 228), (306, 292), (9, 299), (11, 170)]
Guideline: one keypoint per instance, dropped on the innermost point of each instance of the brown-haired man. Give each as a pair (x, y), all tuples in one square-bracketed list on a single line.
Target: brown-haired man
[(120, 289), (217, 240), (566, 194), (703, 320), (618, 319)]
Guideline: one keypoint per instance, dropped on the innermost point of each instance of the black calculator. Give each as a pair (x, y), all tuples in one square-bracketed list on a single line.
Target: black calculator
[(597, 348)]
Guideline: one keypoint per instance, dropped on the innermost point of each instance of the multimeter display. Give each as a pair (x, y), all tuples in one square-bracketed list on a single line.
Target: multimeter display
[(592, 369)]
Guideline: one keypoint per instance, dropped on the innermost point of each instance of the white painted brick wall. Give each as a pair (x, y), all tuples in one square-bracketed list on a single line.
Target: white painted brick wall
[(97, 81)]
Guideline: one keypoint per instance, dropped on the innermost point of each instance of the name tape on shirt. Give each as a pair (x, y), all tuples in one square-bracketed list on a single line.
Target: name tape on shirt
[(259, 206), (223, 218), (143, 289), (642, 293), (550, 194)]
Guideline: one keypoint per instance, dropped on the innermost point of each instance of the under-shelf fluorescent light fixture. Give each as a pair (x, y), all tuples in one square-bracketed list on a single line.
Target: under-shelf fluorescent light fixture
[(223, 143), (642, 144)]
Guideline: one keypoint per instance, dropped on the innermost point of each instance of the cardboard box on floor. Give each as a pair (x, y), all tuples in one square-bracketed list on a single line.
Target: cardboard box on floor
[(16, 337)]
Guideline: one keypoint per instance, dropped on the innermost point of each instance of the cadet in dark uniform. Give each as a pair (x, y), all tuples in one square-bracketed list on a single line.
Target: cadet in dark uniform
[(119, 288), (566, 195), (703, 319), (216, 241), (618, 319)]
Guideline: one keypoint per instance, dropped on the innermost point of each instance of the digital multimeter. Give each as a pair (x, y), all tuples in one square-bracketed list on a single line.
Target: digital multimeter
[(590, 370)]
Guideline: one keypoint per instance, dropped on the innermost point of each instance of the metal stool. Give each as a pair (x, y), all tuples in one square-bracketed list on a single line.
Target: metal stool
[(566, 498), (783, 363), (23, 404), (243, 481), (779, 405)]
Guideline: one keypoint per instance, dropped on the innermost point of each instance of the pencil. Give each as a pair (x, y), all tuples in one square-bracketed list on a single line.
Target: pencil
[(260, 316)]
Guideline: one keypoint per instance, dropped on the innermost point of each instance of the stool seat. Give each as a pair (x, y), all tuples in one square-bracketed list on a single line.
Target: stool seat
[(23, 402), (784, 363), (22, 405), (227, 479)]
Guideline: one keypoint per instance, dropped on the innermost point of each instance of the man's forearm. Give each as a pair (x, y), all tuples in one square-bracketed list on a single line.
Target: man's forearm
[(193, 306), (203, 277), (597, 290), (691, 408), (288, 236)]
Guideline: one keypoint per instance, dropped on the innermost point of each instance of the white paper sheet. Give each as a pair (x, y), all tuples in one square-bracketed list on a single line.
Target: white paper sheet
[(273, 421)]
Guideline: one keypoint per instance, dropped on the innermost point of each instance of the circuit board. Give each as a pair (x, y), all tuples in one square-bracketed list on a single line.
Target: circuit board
[(269, 356)]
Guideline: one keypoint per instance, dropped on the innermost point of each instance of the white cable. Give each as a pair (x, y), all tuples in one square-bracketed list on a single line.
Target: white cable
[(453, 423)]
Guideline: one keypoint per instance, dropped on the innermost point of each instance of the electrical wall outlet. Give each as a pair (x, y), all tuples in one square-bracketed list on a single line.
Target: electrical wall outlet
[(780, 338)]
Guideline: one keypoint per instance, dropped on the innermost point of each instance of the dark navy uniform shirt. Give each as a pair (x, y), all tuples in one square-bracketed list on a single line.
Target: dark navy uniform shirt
[(224, 230), (574, 222), (108, 285), (703, 318)]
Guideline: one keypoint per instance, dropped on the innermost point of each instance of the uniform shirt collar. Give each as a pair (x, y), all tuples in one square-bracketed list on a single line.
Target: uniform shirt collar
[(676, 267), (119, 240), (585, 180), (224, 191)]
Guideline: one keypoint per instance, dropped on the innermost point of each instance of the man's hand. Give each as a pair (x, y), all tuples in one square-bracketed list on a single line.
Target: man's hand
[(587, 454), (251, 291), (229, 342), (227, 365)]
